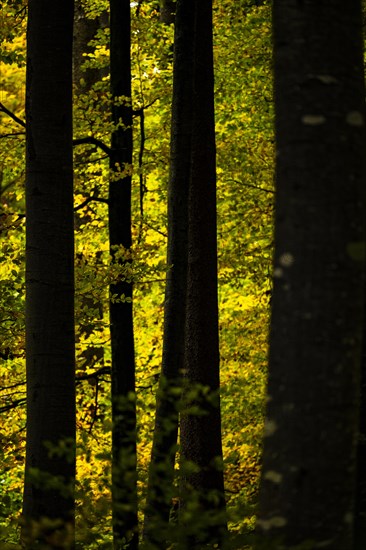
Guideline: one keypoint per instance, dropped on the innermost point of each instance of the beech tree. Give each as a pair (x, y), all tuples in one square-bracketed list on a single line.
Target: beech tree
[(200, 428), (167, 11), (124, 478), (50, 455), (360, 504), (191, 312), (84, 31), (308, 476), (161, 472)]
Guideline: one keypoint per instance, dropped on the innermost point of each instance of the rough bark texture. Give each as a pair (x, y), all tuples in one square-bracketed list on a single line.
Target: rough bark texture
[(308, 477), (201, 433), (49, 267), (161, 474), (124, 478)]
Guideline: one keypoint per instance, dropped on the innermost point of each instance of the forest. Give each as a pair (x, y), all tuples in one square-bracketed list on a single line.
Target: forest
[(182, 275)]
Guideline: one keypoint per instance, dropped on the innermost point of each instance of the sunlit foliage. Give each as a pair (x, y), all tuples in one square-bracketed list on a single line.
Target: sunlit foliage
[(245, 199)]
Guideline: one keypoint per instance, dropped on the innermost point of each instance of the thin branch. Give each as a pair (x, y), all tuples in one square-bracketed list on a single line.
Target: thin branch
[(20, 217), (138, 112), (138, 7), (22, 401), (13, 405), (90, 161), (92, 198), (141, 176), (12, 115), (95, 374), (154, 229), (3, 388), (95, 411), (93, 141), (14, 134), (150, 281), (264, 189)]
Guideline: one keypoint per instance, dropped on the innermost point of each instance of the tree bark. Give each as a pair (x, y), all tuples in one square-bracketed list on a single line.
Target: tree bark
[(308, 477), (360, 502), (167, 11), (124, 477), (49, 476), (84, 31), (161, 473), (200, 433)]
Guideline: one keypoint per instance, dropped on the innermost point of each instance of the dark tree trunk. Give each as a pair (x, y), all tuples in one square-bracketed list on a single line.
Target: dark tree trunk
[(161, 474), (167, 11), (124, 478), (360, 507), (49, 477), (201, 433), (308, 477), (84, 79), (84, 31)]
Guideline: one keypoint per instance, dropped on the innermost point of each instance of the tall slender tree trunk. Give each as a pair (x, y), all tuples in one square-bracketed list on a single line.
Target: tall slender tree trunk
[(308, 477), (360, 505), (85, 30), (200, 434), (49, 476), (124, 478), (167, 11), (161, 473)]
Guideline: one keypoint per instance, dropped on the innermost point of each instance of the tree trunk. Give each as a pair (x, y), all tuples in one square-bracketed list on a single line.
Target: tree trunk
[(308, 477), (84, 79), (360, 505), (84, 31), (201, 433), (49, 476), (124, 478), (161, 473), (167, 11)]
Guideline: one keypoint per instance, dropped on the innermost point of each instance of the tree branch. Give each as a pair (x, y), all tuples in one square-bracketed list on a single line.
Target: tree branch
[(264, 189), (154, 229), (14, 134), (12, 115), (138, 7), (13, 405), (138, 112), (95, 374), (88, 200), (22, 401), (12, 386), (93, 141)]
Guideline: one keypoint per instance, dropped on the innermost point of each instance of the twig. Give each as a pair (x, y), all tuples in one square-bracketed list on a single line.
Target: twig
[(95, 411), (14, 134), (154, 229), (137, 112), (3, 388), (95, 374), (12, 115), (138, 7), (93, 141), (264, 189), (13, 405), (141, 176), (88, 200)]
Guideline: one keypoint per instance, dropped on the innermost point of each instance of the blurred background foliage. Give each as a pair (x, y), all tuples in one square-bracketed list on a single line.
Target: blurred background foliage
[(244, 132)]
